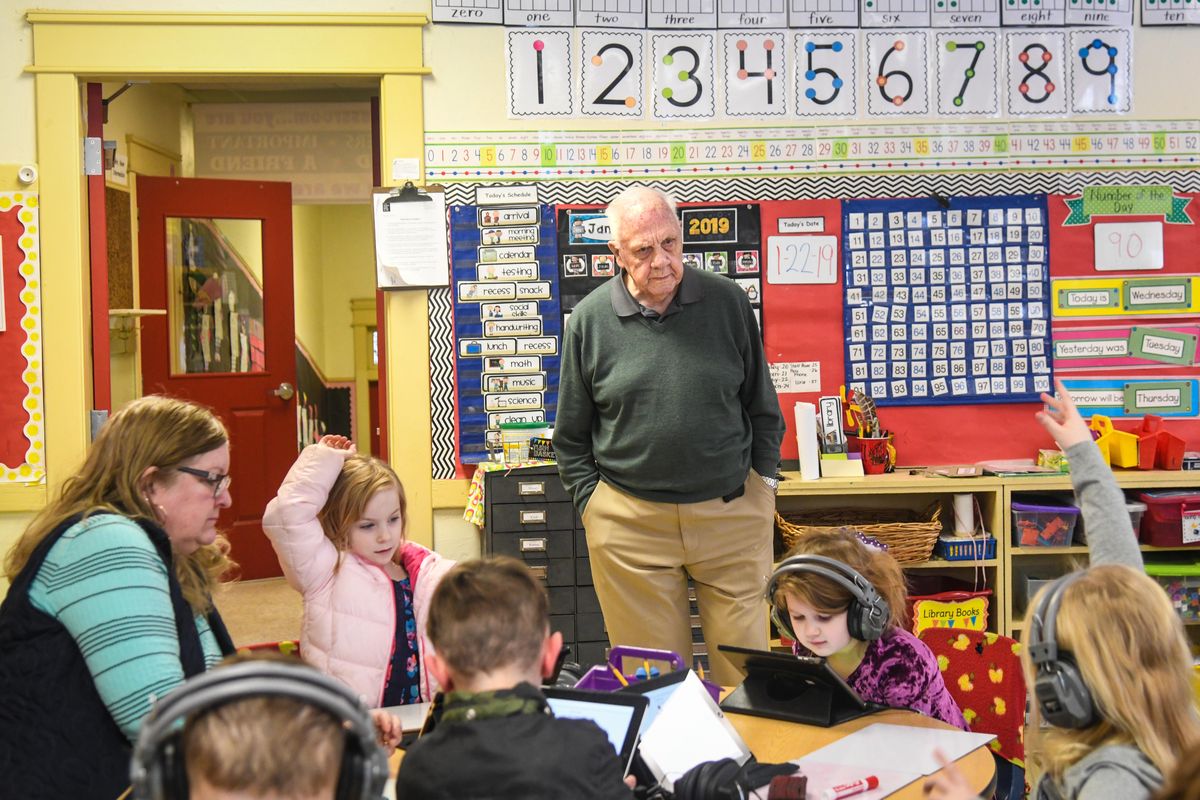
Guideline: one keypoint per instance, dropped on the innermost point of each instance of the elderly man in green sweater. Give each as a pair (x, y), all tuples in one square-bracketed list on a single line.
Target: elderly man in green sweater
[(667, 435)]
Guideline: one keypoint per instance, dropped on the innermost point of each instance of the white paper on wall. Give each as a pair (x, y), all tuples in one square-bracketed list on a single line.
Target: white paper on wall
[(1123, 245), (895, 13), (802, 259), (823, 13), (1101, 13), (743, 14), (539, 72), (898, 73), (1036, 13), (684, 83), (826, 73), (1035, 82), (965, 14)]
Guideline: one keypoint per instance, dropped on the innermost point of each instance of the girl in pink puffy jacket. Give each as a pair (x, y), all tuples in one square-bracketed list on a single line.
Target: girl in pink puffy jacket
[(338, 526)]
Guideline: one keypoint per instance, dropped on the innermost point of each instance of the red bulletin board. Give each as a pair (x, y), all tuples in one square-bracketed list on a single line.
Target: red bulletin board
[(21, 401), (1072, 249), (805, 323)]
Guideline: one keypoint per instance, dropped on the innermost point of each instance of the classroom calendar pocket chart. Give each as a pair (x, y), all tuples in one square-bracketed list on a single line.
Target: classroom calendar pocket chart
[(946, 299), (507, 326)]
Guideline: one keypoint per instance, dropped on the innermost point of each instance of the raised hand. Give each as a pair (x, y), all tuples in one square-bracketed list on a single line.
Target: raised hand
[(337, 442), (1061, 419)]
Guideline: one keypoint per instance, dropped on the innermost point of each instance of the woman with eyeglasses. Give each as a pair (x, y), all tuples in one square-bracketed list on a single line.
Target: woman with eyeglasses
[(111, 599)]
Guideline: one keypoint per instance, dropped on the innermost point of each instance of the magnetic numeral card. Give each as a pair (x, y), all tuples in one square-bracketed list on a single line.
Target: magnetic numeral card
[(755, 73), (898, 70), (1100, 77), (1036, 82), (611, 65), (967, 72), (826, 73), (683, 75), (539, 73)]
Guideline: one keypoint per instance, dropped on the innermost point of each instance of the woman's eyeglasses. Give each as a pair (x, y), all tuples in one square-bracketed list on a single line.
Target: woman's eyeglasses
[(216, 480)]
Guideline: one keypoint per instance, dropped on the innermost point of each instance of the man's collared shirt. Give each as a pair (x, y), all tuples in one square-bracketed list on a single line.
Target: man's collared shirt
[(626, 305)]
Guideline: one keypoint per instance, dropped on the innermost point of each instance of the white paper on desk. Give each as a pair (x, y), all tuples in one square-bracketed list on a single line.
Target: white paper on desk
[(689, 730), (412, 716), (898, 748), (410, 241), (806, 441)]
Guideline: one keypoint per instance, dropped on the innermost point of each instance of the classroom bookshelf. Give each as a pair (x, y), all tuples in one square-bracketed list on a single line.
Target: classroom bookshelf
[(1006, 574)]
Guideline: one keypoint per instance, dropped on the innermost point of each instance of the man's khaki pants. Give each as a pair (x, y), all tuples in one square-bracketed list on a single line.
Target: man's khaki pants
[(643, 552)]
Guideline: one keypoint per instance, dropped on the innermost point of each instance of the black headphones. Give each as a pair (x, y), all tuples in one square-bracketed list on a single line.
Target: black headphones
[(868, 615), (158, 771), (1058, 686)]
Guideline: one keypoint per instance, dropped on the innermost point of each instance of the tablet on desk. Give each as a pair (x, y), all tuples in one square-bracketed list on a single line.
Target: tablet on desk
[(618, 715), (794, 688), (656, 691)]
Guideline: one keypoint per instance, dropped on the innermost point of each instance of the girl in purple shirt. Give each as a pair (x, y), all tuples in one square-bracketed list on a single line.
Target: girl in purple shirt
[(874, 653)]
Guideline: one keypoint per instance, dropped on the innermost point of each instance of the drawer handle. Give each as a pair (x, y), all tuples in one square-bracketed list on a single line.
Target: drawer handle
[(531, 487), (539, 572), (533, 545), (533, 517)]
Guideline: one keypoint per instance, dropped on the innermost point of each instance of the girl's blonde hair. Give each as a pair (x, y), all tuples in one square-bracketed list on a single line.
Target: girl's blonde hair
[(152, 431), (828, 597), (1132, 653), (361, 478)]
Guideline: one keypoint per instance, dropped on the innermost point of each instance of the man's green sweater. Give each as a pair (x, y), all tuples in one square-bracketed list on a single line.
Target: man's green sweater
[(675, 410)]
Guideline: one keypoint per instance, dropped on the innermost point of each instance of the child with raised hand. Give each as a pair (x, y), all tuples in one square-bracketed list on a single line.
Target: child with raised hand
[(1106, 657), (338, 525), (842, 599)]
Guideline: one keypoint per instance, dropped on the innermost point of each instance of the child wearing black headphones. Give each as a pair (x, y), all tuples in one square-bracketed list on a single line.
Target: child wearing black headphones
[(841, 599), (1105, 654)]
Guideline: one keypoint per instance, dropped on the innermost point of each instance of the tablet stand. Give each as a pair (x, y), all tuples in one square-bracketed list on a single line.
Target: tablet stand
[(767, 692)]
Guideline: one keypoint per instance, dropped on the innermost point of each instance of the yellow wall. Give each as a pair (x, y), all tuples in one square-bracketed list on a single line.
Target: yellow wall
[(306, 276), (150, 112), (333, 263), (348, 272)]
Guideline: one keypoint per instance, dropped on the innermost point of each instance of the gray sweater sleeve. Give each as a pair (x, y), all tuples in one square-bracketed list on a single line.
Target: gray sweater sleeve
[(1110, 537)]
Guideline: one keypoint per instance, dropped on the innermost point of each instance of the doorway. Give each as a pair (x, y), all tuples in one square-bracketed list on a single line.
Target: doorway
[(73, 47)]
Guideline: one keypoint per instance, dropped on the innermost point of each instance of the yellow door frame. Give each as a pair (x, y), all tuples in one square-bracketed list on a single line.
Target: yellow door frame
[(78, 46)]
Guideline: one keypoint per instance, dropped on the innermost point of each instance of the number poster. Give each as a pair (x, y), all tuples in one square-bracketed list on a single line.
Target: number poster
[(947, 300)]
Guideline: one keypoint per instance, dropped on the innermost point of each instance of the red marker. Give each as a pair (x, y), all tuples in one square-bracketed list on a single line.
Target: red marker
[(850, 789)]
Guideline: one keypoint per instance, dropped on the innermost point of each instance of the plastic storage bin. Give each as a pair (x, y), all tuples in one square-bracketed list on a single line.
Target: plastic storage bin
[(965, 548), (1162, 524), (1119, 448), (1182, 582), (1136, 512), (1043, 526)]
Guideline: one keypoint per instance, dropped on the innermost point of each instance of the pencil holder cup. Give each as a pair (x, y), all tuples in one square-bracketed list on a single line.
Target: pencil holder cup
[(878, 455)]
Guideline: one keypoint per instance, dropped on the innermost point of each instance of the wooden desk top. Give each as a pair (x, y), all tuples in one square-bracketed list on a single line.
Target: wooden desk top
[(774, 741)]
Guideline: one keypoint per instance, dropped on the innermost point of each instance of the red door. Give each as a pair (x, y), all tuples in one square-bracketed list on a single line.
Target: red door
[(217, 255)]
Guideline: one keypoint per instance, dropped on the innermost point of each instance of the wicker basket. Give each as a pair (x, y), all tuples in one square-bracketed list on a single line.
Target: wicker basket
[(909, 535)]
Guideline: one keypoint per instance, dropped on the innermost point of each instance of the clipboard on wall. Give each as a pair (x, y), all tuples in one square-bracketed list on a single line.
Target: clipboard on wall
[(410, 237)]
